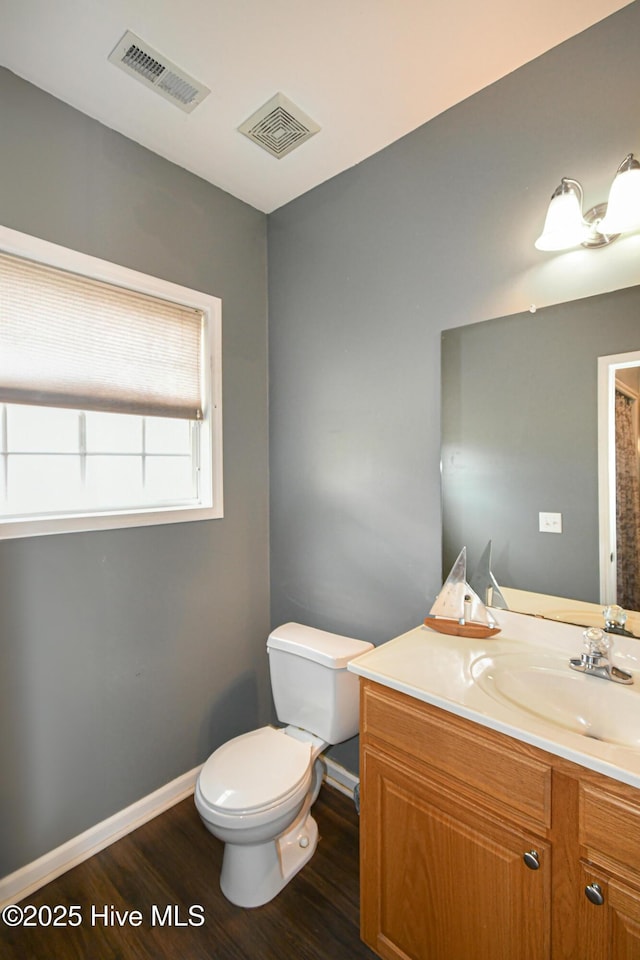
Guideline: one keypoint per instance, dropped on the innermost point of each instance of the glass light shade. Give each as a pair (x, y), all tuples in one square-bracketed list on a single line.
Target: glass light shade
[(623, 208), (564, 226)]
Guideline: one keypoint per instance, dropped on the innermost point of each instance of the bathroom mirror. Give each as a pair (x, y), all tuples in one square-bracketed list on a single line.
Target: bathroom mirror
[(520, 441)]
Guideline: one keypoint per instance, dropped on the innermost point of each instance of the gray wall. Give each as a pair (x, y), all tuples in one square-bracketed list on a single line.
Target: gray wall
[(520, 435), (365, 271), (126, 656)]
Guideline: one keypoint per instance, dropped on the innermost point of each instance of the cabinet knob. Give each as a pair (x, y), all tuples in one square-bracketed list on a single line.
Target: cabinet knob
[(594, 893), (532, 859)]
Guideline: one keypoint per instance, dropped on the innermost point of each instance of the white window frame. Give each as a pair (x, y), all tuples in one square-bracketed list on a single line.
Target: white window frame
[(211, 471)]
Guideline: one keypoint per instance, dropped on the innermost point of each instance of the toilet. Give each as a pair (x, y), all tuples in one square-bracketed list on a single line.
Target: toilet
[(255, 792)]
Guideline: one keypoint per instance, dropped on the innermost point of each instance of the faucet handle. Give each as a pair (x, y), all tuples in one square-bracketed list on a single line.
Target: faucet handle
[(595, 659), (597, 643), (614, 616)]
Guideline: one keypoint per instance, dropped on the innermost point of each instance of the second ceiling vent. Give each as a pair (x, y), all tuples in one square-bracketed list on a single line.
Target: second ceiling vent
[(279, 126)]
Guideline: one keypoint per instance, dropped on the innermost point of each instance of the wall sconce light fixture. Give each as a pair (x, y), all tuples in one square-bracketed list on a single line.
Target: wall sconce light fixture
[(566, 226)]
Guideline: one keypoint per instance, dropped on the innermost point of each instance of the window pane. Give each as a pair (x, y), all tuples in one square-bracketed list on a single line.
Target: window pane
[(114, 482), (42, 429), (168, 436), (52, 482), (127, 462), (169, 478), (113, 433)]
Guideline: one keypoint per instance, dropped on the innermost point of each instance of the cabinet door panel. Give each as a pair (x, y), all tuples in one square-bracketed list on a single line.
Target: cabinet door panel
[(612, 930), (445, 884)]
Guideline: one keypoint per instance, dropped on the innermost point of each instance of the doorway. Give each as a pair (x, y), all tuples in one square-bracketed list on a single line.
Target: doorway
[(619, 478)]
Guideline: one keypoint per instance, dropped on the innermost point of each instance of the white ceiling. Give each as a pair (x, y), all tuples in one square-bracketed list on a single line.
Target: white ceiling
[(367, 71)]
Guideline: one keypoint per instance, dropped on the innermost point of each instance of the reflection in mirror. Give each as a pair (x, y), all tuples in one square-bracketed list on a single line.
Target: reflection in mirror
[(485, 584), (619, 479), (520, 440), (565, 610)]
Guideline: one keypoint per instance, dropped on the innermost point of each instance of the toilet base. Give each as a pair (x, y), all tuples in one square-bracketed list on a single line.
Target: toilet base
[(253, 874)]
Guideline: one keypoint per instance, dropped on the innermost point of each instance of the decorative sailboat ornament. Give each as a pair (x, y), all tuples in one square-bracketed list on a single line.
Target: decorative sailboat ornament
[(458, 610), (485, 584)]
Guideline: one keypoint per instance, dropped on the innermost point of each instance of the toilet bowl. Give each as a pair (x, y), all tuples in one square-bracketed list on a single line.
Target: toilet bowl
[(255, 792), (264, 819)]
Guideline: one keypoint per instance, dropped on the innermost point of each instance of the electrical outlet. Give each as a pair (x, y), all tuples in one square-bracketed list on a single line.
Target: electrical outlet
[(550, 522)]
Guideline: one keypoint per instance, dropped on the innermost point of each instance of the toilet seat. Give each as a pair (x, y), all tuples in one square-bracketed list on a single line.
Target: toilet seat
[(254, 772)]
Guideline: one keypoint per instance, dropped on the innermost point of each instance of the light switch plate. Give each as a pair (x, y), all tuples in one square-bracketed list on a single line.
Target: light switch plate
[(550, 522)]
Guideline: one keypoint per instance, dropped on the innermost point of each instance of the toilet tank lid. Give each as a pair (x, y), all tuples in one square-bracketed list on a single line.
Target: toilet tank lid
[(329, 649)]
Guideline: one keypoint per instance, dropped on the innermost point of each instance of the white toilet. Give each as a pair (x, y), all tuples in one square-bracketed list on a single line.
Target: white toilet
[(256, 791)]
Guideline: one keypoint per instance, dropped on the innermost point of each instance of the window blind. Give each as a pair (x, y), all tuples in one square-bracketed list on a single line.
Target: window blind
[(70, 341)]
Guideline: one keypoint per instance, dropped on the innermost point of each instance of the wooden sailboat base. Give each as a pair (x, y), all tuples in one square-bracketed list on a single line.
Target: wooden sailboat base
[(455, 628)]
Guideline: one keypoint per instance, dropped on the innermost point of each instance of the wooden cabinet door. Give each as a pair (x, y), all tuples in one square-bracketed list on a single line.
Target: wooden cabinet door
[(442, 882), (610, 931)]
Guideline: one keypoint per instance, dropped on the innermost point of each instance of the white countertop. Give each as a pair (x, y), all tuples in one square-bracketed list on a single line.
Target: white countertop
[(438, 669)]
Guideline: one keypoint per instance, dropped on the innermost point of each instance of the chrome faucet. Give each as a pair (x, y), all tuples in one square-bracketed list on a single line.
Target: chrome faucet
[(614, 620), (595, 660)]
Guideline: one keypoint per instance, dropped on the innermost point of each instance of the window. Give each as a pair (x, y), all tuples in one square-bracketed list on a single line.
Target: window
[(110, 394)]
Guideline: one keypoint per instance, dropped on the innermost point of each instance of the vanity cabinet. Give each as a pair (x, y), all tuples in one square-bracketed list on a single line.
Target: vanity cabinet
[(476, 846)]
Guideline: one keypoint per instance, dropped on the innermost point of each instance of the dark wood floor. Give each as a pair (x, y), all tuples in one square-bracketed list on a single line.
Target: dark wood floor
[(173, 861)]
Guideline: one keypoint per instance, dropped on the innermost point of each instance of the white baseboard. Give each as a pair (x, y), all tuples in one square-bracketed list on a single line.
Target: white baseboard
[(31, 877), (339, 777), (34, 875)]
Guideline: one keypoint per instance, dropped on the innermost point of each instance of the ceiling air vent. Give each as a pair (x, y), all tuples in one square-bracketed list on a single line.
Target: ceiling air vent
[(279, 126), (144, 63)]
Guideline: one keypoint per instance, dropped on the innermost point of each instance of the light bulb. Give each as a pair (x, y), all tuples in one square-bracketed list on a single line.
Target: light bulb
[(623, 208), (564, 226)]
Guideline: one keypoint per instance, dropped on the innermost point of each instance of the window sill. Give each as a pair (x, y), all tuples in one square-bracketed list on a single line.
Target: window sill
[(78, 523)]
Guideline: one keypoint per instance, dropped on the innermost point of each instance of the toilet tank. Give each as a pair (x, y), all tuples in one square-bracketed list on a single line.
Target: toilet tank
[(311, 685)]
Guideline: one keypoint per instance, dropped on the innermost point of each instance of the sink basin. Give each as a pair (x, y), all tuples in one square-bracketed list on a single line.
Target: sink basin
[(546, 688)]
